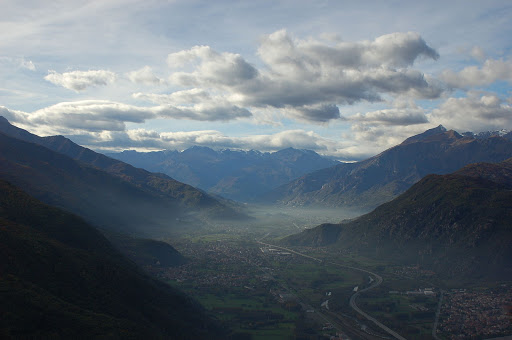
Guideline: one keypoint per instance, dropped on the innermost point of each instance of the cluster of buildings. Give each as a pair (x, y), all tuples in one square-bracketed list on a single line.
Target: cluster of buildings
[(476, 314), (215, 264), (420, 291), (414, 272), (188, 273), (274, 251)]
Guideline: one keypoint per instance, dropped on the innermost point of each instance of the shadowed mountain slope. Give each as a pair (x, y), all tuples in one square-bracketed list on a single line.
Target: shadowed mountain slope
[(186, 196), (105, 200), (61, 279)]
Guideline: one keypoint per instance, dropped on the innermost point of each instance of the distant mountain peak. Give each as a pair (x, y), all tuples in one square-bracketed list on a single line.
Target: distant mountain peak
[(440, 131), (199, 147), (196, 149), (289, 150)]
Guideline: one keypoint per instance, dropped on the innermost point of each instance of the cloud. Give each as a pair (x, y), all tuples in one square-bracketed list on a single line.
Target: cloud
[(395, 116), (13, 115), (194, 104), (394, 50), (27, 64), (145, 76), (491, 71), (213, 68), (369, 140), (478, 53), (80, 80), (142, 138), (192, 96), (88, 115), (203, 112), (317, 113), (104, 115), (474, 113), (309, 78)]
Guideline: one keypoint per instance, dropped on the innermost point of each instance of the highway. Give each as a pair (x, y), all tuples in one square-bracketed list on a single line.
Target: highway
[(378, 280), (438, 312)]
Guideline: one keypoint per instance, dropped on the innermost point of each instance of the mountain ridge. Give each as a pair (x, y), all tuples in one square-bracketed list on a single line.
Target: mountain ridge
[(104, 200), (371, 182), (234, 174), (156, 184)]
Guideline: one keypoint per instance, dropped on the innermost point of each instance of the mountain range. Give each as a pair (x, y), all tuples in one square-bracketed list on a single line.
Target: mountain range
[(371, 182), (234, 174), (458, 224), (101, 189)]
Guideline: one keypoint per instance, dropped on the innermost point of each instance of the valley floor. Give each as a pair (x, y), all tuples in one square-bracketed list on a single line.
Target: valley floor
[(261, 291)]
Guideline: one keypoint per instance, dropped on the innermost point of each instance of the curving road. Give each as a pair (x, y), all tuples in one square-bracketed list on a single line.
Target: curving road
[(377, 282)]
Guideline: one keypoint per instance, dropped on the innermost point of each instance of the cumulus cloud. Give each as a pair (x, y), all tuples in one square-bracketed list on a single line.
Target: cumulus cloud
[(474, 113), (104, 115), (317, 113), (492, 70), (399, 49), (195, 104), (88, 115), (309, 78), (213, 68), (80, 80), (145, 76)]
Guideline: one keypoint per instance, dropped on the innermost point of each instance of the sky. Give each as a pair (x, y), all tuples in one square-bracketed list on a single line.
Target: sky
[(343, 78)]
